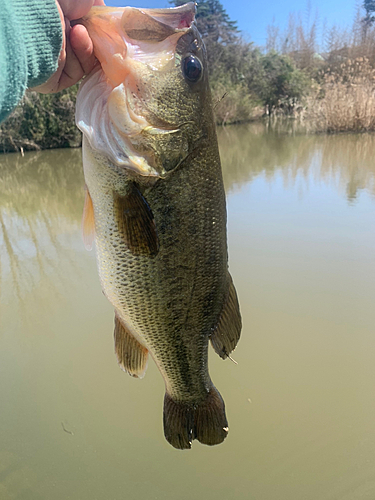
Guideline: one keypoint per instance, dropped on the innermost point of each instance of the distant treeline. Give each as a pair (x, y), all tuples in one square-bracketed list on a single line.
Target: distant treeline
[(42, 121), (323, 76)]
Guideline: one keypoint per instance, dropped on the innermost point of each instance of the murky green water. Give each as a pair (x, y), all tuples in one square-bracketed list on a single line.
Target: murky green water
[(300, 403)]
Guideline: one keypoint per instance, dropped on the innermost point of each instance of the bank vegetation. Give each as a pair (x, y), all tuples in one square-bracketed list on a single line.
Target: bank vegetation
[(324, 77)]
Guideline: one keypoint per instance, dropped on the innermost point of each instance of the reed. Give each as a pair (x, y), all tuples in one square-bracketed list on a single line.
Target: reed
[(344, 101)]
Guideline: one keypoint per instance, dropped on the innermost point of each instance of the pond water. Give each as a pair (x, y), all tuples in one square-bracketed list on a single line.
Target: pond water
[(300, 402)]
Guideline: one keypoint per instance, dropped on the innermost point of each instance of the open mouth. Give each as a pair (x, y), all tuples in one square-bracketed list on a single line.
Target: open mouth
[(124, 35), (124, 40)]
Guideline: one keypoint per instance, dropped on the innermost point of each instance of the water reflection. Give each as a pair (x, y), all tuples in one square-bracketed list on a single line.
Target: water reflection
[(41, 196), (346, 161), (300, 402), (41, 193)]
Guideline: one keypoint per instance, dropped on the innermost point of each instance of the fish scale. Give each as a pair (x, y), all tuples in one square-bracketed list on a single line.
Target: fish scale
[(160, 222), (142, 287)]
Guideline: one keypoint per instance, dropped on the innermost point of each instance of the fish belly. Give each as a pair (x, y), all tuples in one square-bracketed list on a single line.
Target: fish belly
[(169, 302)]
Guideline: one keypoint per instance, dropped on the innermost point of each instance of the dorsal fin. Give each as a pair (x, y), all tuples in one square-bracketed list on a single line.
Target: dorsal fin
[(131, 355), (228, 330), (88, 221), (136, 222)]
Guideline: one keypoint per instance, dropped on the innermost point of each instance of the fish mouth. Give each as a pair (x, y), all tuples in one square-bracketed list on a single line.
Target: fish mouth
[(110, 104), (123, 35)]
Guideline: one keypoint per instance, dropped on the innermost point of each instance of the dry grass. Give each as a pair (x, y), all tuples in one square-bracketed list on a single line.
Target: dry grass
[(233, 103), (345, 100)]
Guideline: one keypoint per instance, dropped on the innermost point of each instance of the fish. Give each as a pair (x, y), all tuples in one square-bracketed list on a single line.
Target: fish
[(155, 207)]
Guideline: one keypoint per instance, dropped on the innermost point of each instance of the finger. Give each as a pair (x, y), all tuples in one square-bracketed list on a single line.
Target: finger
[(72, 71), (82, 47), (73, 9)]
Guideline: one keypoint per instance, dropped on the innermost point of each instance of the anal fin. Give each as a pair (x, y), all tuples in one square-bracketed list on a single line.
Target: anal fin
[(131, 355), (228, 329)]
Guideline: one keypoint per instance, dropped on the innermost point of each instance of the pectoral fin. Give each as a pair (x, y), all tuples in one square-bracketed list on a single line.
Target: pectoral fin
[(227, 332), (131, 355), (136, 222), (88, 221)]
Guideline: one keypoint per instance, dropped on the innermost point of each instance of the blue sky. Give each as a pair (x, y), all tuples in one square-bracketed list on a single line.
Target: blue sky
[(254, 16)]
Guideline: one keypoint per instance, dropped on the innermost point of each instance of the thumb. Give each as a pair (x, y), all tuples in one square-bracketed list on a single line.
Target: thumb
[(74, 9)]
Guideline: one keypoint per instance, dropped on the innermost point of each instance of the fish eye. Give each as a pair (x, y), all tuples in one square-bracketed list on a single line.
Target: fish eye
[(192, 68)]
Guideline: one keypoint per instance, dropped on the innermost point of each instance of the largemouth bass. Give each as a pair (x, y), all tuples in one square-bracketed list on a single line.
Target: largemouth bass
[(155, 205)]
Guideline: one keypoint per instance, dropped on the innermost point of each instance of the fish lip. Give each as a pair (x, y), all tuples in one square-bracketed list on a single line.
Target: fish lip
[(105, 116), (92, 118), (189, 8), (183, 14)]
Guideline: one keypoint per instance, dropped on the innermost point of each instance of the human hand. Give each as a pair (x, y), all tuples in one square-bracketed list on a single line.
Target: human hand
[(77, 53)]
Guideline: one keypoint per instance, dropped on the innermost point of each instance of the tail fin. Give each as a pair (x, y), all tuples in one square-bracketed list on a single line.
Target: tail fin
[(184, 422)]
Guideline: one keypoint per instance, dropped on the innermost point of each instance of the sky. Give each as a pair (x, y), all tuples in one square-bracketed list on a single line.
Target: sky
[(253, 16)]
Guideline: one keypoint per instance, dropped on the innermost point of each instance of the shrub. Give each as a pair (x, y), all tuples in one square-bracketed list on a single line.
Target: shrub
[(42, 122)]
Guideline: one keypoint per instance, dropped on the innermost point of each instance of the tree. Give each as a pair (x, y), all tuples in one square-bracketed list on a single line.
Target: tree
[(368, 20), (281, 83), (369, 6), (42, 121), (213, 22)]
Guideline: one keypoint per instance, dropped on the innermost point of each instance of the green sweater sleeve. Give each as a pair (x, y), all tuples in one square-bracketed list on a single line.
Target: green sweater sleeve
[(30, 44)]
